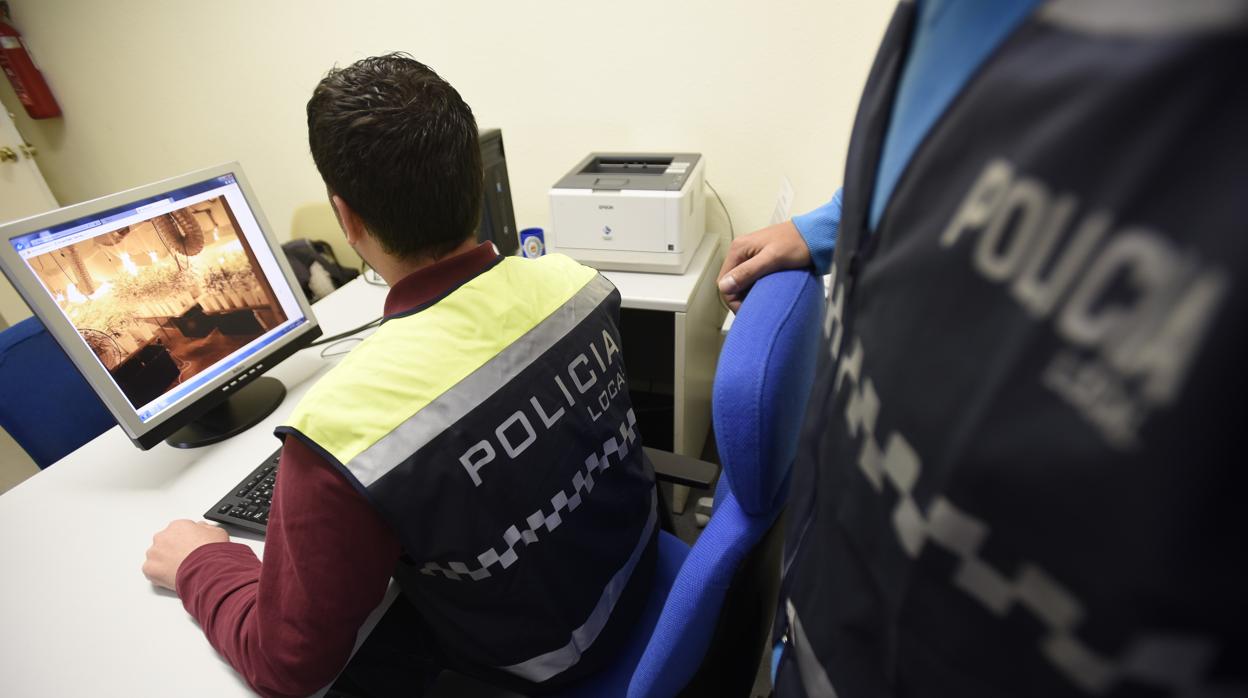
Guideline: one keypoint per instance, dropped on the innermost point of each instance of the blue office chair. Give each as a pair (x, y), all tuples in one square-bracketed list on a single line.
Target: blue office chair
[(707, 622), (46, 405)]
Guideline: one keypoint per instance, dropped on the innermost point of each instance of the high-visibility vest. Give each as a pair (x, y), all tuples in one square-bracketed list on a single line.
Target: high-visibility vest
[(493, 430), (1022, 470)]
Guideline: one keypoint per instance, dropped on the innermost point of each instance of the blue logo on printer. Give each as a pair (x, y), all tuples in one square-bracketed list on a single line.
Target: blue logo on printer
[(606, 230)]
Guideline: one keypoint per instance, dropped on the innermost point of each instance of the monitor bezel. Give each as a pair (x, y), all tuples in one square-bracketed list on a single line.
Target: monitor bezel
[(147, 434)]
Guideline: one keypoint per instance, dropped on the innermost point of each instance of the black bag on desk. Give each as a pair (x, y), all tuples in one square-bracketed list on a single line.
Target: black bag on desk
[(316, 267)]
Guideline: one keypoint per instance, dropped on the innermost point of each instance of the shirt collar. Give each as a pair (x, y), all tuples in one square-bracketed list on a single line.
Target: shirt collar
[(428, 284)]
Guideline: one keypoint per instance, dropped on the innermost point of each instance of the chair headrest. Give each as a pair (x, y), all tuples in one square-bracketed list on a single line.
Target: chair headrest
[(764, 376), (20, 332)]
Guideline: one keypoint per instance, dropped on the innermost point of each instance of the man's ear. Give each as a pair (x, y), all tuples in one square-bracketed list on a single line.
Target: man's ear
[(350, 221)]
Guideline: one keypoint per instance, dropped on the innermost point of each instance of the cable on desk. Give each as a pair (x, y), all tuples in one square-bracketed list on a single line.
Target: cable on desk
[(327, 354), (732, 231), (348, 333)]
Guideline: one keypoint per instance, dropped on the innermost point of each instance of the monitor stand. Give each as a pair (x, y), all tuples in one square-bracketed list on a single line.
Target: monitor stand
[(240, 412)]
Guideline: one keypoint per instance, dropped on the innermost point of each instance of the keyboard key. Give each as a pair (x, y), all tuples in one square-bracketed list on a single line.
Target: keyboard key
[(251, 497)]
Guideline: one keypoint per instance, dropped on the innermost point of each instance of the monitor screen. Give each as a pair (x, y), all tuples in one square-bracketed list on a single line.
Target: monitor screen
[(165, 297)]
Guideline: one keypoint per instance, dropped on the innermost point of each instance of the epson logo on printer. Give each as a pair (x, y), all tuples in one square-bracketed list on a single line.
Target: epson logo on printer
[(1133, 307), (605, 207)]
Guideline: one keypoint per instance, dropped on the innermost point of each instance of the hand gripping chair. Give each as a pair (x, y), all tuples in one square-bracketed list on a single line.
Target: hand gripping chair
[(706, 625), (45, 404)]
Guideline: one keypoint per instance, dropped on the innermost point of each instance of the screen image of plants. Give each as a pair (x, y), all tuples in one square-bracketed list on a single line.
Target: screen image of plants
[(161, 300)]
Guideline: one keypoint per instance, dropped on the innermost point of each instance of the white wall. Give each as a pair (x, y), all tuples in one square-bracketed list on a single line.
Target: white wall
[(152, 89)]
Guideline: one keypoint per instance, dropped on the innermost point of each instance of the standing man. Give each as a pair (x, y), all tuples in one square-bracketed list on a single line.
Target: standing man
[(1020, 472), (480, 446)]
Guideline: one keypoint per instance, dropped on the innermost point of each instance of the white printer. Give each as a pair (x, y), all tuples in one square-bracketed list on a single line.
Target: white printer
[(630, 212)]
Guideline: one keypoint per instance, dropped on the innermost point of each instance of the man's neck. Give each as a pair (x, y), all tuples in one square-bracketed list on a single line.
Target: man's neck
[(429, 283), (394, 269)]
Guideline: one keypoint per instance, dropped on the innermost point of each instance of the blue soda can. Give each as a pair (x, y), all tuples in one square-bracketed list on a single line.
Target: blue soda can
[(532, 243)]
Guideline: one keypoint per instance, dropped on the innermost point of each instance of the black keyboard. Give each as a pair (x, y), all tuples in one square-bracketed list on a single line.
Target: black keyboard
[(247, 504)]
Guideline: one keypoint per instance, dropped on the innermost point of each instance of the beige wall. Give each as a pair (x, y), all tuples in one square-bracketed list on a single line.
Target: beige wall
[(152, 89)]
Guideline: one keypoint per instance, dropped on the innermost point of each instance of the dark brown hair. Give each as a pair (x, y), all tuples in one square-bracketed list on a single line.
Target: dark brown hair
[(399, 145)]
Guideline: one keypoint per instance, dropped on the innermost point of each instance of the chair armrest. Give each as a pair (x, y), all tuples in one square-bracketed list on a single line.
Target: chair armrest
[(681, 470)]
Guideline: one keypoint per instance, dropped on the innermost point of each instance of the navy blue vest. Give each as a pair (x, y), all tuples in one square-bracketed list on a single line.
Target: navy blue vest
[(493, 430), (1020, 472)]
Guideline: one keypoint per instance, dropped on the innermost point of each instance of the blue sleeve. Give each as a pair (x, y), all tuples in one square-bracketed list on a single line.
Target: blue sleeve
[(819, 229)]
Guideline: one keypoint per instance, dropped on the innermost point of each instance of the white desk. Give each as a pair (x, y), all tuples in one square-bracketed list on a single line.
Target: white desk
[(76, 614)]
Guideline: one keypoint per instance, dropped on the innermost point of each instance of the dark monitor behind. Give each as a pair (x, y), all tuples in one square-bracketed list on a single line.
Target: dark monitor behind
[(170, 299), (498, 218)]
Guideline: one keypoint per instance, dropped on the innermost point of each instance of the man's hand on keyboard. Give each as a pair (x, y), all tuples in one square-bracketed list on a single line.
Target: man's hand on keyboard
[(171, 546)]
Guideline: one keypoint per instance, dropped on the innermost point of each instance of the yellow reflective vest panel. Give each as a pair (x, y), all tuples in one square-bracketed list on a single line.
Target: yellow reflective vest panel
[(493, 430)]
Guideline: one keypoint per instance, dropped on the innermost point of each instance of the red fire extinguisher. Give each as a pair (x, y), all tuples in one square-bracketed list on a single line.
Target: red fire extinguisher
[(22, 72)]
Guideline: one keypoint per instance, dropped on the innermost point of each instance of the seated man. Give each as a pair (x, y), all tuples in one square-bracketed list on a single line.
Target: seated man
[(480, 446)]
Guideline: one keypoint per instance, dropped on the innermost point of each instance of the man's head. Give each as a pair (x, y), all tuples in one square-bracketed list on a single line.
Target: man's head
[(399, 146)]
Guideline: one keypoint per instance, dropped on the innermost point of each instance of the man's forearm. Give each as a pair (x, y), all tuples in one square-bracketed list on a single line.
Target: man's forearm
[(217, 584), (288, 626)]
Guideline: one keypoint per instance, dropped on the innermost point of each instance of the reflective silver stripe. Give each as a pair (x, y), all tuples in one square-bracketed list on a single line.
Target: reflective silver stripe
[(815, 680), (546, 665), (834, 320), (451, 406), (1180, 663), (1146, 17)]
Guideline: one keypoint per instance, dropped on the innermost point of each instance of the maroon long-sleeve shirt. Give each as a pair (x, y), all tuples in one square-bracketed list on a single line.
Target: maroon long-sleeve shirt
[(288, 625)]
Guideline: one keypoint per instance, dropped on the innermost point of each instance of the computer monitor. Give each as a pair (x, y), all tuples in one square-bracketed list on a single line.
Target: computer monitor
[(171, 299), (498, 218)]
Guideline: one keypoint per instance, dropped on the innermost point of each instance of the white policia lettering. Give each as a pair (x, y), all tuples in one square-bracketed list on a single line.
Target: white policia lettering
[(1134, 307), (515, 434)]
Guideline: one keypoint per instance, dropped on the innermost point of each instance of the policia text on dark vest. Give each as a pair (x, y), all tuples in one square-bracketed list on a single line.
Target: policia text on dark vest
[(1021, 471), (493, 430)]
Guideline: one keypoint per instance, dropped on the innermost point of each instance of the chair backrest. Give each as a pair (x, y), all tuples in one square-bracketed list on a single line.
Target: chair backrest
[(762, 382), (46, 405), (765, 372)]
